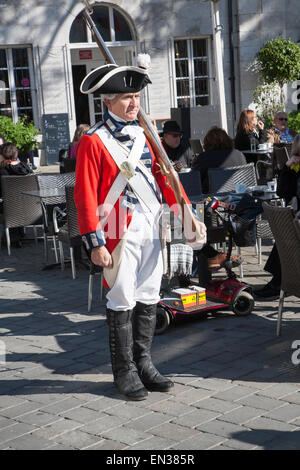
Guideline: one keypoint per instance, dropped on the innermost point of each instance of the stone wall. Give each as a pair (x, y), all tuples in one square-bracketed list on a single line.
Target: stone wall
[(46, 24)]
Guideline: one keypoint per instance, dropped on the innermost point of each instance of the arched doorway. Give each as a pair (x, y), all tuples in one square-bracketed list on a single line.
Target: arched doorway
[(119, 35)]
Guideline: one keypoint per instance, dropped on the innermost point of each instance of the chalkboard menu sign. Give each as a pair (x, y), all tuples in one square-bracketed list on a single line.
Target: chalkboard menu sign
[(56, 134)]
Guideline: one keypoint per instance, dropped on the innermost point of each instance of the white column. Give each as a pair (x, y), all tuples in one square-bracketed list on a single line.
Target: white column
[(217, 31)]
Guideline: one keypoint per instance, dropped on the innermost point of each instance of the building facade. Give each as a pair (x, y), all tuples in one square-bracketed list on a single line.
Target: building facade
[(46, 49)]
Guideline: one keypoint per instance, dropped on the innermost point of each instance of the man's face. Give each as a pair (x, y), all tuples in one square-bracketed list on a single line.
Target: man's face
[(172, 139), (280, 121), (125, 105)]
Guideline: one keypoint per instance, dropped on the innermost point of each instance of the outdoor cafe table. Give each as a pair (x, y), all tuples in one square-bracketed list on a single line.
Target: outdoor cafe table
[(260, 195), (59, 196), (45, 195), (254, 155)]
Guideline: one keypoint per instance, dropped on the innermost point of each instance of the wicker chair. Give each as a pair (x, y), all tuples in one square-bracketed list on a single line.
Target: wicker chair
[(53, 180), (191, 182), (288, 147), (19, 210), (68, 233), (264, 171), (288, 246), (223, 180), (280, 157)]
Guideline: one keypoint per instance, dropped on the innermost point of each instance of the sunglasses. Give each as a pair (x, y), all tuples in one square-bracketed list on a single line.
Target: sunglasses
[(174, 135), (282, 119)]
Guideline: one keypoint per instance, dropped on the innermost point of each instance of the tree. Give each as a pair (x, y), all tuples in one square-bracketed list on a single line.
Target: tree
[(267, 102), (278, 61)]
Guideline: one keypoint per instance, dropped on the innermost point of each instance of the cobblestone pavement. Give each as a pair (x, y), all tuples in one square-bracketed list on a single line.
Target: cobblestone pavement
[(236, 386)]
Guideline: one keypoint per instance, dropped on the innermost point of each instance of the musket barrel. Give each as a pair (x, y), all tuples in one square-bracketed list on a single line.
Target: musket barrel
[(98, 38)]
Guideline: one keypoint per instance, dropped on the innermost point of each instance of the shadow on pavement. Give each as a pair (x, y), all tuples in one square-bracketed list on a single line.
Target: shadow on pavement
[(51, 328)]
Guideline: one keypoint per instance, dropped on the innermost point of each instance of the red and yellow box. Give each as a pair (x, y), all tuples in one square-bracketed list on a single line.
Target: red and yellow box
[(201, 295), (188, 297)]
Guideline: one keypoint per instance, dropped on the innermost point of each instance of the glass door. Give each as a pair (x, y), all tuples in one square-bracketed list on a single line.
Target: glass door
[(96, 106)]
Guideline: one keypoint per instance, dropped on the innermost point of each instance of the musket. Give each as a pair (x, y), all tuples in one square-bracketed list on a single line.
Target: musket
[(190, 223)]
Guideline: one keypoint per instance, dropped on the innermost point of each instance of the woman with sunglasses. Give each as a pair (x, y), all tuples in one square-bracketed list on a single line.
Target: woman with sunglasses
[(280, 132)]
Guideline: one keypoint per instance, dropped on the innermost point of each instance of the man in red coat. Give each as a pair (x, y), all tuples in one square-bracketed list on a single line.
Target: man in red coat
[(118, 197)]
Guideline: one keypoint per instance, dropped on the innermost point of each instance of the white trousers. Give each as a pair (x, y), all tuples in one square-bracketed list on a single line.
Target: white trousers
[(141, 268)]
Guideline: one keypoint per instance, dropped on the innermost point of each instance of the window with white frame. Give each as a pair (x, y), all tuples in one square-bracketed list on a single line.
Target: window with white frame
[(191, 72), (111, 24), (16, 83)]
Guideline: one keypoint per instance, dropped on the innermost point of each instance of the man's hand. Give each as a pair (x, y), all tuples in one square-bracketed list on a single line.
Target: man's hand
[(101, 257), (178, 166)]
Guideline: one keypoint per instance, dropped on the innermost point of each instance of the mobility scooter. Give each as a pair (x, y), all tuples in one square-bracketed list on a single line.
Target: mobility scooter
[(212, 294)]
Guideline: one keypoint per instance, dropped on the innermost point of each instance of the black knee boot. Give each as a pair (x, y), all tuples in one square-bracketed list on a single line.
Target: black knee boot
[(143, 323), (125, 373)]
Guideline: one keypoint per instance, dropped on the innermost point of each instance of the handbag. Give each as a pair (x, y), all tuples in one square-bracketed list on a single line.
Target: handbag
[(242, 224)]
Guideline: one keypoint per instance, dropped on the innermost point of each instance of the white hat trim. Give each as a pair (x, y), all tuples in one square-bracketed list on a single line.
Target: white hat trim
[(109, 75)]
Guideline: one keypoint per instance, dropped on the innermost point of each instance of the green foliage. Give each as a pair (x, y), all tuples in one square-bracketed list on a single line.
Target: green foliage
[(22, 134), (294, 120), (267, 100), (279, 61)]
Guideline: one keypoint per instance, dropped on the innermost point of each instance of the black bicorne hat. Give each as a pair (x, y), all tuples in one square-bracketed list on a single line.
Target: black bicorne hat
[(112, 78)]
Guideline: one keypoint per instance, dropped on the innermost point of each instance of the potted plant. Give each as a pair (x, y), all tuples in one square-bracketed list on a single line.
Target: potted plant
[(22, 134)]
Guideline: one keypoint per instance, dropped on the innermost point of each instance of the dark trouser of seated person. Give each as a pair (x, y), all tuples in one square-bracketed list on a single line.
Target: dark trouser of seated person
[(272, 288), (206, 261)]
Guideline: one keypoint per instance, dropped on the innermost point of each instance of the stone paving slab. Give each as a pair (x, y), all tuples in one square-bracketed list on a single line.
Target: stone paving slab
[(235, 386)]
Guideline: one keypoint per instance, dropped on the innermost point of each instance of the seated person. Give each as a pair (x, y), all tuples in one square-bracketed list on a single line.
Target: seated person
[(249, 128), (9, 162), (287, 188), (11, 165), (218, 152), (79, 132), (280, 132), (177, 148)]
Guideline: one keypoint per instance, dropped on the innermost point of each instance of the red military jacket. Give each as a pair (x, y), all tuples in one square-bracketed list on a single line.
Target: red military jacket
[(96, 171)]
